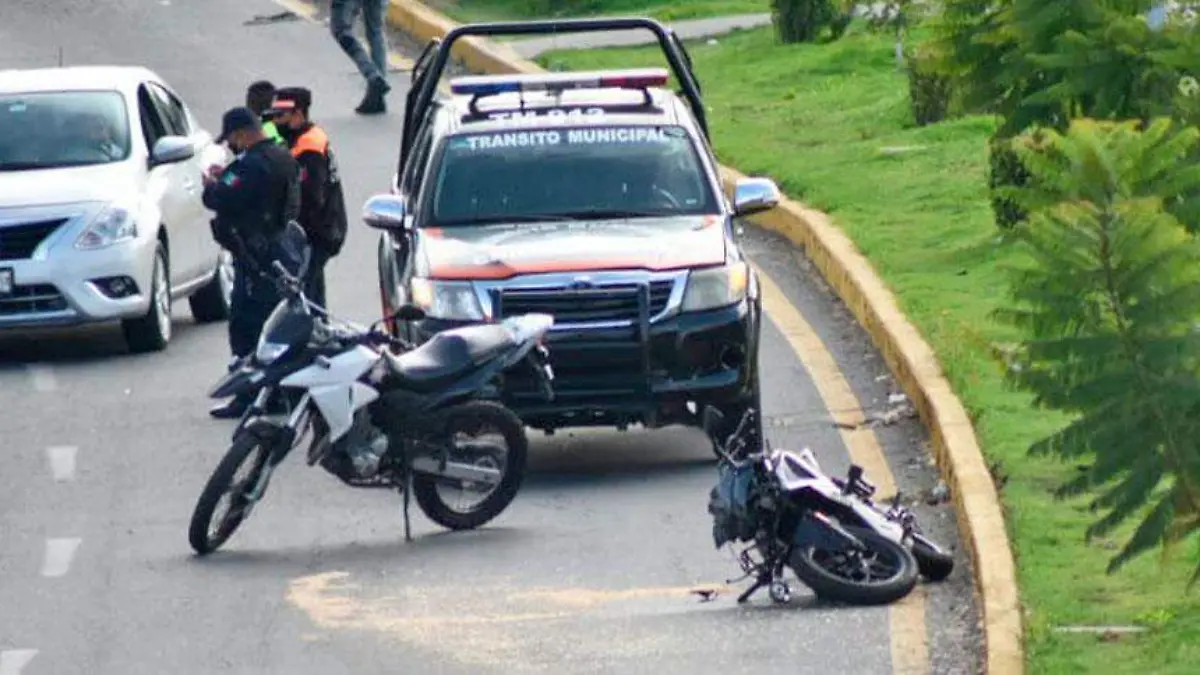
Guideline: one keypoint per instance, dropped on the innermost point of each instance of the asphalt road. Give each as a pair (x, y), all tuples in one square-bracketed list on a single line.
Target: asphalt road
[(589, 570)]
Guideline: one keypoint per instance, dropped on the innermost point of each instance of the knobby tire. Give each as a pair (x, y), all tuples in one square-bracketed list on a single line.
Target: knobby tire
[(831, 586), (218, 484), (424, 486)]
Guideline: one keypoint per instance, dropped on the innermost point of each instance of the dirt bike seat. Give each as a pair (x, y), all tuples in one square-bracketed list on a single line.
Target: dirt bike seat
[(450, 354)]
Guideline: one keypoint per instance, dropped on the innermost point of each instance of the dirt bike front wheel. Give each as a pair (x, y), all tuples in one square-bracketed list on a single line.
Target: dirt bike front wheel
[(230, 482)]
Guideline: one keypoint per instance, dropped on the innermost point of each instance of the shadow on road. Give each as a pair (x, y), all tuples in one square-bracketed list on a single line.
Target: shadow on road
[(78, 345), (603, 457), (378, 554)]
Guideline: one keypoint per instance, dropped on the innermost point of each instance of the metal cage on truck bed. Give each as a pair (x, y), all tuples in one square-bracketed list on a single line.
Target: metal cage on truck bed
[(431, 64)]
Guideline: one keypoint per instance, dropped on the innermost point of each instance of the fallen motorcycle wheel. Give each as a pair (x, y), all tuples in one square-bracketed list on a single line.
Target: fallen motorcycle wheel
[(206, 533), (884, 573), (469, 419)]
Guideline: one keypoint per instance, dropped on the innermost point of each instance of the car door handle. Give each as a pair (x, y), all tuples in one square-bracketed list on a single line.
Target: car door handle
[(189, 185)]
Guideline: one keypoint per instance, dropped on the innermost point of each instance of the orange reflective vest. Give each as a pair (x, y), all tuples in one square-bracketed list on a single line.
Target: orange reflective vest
[(322, 209), (313, 140)]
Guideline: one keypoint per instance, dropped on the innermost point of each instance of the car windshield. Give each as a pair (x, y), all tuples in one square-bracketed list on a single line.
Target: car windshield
[(569, 173), (47, 130)]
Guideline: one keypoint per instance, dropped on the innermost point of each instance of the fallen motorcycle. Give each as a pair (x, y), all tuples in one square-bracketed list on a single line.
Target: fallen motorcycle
[(827, 530), (377, 420)]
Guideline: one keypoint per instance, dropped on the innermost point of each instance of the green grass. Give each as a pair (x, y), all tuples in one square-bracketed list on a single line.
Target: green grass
[(467, 11), (825, 122)]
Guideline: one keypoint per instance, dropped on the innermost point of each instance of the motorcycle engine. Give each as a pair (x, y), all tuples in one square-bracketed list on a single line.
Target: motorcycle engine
[(364, 445), (730, 503)]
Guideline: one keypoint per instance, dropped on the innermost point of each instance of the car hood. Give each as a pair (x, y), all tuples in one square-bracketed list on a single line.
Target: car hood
[(66, 185), (502, 251)]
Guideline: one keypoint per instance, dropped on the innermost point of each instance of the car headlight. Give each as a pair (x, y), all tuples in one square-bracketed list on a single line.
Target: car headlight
[(716, 287), (115, 224), (267, 352), (453, 300)]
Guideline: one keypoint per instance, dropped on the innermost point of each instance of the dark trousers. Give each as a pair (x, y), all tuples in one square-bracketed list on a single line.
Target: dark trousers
[(314, 278), (253, 300), (343, 15)]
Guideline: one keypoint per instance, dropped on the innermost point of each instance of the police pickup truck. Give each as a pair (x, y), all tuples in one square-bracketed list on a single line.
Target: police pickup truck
[(591, 196)]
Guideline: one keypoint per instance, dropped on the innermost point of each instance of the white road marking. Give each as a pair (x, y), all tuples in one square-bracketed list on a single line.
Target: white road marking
[(13, 661), (42, 376), (59, 553), (62, 462)]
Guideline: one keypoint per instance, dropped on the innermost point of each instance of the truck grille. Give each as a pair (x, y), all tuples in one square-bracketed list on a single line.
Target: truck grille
[(18, 242), (32, 299), (617, 302)]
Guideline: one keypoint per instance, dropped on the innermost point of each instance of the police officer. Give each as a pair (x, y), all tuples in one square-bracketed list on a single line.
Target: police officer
[(254, 198), (322, 203), (259, 96)]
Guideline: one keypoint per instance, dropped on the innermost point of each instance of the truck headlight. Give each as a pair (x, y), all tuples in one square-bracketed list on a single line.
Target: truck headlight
[(716, 287), (453, 300), (115, 224)]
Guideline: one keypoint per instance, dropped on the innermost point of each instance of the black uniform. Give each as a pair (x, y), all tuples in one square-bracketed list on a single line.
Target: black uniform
[(254, 199)]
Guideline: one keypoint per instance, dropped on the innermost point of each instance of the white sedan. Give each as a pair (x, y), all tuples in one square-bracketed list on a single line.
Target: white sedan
[(100, 211)]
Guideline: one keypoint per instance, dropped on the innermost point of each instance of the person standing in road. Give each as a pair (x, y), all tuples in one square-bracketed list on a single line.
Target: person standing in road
[(322, 203), (259, 96), (374, 68), (253, 198)]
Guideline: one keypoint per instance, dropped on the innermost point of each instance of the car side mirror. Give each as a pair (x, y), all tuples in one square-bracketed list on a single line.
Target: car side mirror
[(409, 313), (385, 212), (171, 149), (712, 419), (754, 195)]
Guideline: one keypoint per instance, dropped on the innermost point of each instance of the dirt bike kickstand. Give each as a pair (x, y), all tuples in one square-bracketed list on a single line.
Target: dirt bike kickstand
[(770, 575), (407, 490), (759, 583), (407, 523)]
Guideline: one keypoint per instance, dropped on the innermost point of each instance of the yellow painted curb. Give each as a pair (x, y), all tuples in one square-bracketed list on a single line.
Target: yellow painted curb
[(910, 358)]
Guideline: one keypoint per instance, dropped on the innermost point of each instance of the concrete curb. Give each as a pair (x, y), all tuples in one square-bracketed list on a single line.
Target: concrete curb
[(910, 358)]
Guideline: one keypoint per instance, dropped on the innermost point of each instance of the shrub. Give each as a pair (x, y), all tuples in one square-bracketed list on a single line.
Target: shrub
[(1005, 172), (929, 88), (976, 49), (807, 20), (1039, 64), (1108, 297)]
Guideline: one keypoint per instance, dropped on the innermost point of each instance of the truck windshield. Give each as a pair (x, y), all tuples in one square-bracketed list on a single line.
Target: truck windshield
[(58, 129), (569, 173)]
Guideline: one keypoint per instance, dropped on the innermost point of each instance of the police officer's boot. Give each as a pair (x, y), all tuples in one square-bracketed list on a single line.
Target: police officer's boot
[(372, 103)]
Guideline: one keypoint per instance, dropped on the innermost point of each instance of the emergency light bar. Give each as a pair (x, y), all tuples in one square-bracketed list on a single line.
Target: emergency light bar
[(485, 85)]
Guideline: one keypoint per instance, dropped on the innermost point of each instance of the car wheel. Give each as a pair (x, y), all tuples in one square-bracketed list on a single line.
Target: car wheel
[(152, 332), (211, 303)]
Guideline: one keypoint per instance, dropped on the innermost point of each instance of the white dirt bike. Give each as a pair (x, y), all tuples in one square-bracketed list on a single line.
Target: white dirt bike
[(377, 420)]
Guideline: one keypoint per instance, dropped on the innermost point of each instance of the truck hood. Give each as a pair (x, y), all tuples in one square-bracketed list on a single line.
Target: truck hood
[(502, 251), (67, 185)]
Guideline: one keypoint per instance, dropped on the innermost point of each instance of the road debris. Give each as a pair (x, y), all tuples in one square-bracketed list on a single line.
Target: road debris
[(940, 494)]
